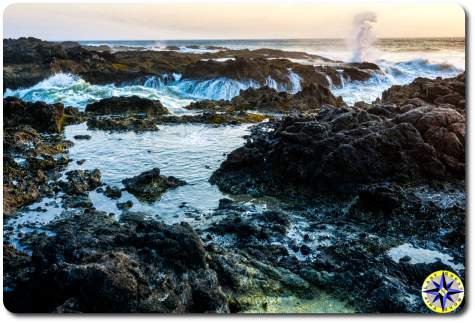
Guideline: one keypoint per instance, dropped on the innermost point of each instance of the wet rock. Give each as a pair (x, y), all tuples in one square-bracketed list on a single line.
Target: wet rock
[(112, 192), (125, 205), (96, 264), (81, 161), (73, 116), (127, 105), (265, 99), (225, 203), (214, 118), (81, 181), (30, 161), (82, 137), (150, 185), (343, 149), (382, 197), (120, 124), (438, 91), (77, 201), (305, 250), (39, 115)]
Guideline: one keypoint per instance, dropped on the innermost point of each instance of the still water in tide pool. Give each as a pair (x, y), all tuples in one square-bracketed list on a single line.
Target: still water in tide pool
[(188, 152)]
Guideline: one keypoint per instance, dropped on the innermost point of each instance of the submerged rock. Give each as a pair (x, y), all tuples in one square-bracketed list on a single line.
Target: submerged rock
[(150, 185)]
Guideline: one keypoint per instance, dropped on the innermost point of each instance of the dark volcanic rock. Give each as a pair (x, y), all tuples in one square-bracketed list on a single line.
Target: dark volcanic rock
[(381, 198), (150, 185), (214, 118), (112, 192), (265, 99), (30, 161), (127, 105), (28, 61), (122, 123), (96, 264), (449, 91), (81, 181), (82, 137), (340, 149), (39, 115)]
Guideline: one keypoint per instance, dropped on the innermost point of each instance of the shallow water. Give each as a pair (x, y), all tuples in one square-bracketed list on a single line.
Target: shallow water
[(188, 152)]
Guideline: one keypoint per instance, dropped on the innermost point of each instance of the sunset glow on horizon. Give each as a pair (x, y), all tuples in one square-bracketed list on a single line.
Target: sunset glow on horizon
[(226, 21)]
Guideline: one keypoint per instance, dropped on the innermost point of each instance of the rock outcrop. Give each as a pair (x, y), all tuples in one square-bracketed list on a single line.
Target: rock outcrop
[(122, 123), (39, 115), (98, 265), (127, 105), (341, 149), (33, 151), (150, 185), (29, 60), (265, 99), (449, 91)]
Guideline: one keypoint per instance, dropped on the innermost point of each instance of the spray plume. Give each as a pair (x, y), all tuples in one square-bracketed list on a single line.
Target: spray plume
[(362, 36)]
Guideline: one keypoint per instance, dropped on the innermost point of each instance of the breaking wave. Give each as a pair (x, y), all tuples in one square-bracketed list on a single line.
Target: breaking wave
[(173, 91), (398, 73)]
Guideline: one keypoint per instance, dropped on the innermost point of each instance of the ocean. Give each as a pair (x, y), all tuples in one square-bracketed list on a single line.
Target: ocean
[(402, 60)]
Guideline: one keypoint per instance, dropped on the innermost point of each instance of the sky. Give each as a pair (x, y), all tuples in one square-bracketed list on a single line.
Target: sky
[(211, 20)]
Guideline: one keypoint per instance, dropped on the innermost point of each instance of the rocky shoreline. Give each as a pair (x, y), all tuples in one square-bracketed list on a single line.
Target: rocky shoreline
[(362, 202)]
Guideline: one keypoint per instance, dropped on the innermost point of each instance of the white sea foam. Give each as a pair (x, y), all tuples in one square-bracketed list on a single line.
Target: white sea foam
[(419, 255), (171, 89), (391, 73)]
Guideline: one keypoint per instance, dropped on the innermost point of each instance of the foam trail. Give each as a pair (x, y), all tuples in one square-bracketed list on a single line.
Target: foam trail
[(295, 82), (362, 37)]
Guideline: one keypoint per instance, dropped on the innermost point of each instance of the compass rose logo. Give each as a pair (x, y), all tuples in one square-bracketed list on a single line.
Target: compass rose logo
[(442, 291)]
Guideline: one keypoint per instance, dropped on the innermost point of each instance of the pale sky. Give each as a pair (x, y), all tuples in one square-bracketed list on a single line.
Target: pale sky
[(208, 20)]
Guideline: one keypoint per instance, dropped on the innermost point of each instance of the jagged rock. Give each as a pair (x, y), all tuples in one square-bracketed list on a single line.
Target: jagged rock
[(214, 118), (95, 264), (341, 149), (265, 99), (82, 137), (39, 115), (121, 124), (81, 181), (439, 91), (126, 105), (112, 192), (30, 161), (150, 185)]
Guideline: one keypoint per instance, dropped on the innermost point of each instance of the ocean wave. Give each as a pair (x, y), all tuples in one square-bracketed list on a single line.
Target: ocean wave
[(392, 73), (219, 88), (423, 64), (173, 91)]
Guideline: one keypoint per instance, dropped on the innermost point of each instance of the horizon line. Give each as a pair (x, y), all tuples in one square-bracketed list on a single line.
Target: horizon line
[(245, 39)]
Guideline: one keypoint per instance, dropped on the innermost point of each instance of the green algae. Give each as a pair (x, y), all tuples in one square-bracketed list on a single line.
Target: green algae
[(320, 302)]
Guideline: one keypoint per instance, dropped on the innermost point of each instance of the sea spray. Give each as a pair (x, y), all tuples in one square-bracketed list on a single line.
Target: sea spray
[(174, 91), (362, 36)]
